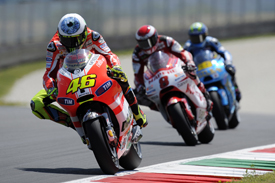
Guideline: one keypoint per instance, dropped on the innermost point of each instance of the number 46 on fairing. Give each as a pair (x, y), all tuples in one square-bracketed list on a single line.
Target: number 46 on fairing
[(81, 83)]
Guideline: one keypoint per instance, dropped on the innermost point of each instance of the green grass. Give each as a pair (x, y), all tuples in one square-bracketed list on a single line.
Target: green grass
[(253, 178), (10, 75)]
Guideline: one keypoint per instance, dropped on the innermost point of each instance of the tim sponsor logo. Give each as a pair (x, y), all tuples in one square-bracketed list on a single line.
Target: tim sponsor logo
[(65, 101)]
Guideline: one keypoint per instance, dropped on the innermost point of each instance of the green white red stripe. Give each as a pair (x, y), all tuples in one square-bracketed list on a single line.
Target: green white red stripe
[(215, 168)]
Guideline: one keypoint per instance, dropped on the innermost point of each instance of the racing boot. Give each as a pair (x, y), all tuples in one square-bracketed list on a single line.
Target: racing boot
[(139, 115), (237, 91), (208, 100), (137, 134), (232, 71)]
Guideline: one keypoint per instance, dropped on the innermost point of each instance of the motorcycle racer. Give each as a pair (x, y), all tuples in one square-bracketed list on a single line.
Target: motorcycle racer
[(199, 39), (72, 33), (149, 42)]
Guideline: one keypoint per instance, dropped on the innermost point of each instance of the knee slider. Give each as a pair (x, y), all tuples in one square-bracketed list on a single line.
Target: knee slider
[(36, 104), (230, 69), (32, 104)]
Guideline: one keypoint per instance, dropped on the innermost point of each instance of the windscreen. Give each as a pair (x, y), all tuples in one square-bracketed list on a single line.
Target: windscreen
[(77, 60), (157, 61), (202, 56)]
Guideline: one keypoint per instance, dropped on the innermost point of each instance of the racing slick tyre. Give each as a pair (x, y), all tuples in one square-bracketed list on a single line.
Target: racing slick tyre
[(105, 154), (182, 123), (132, 159), (235, 120), (207, 134), (218, 111)]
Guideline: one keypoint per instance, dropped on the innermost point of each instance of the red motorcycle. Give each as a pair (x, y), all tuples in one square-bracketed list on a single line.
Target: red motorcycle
[(99, 110)]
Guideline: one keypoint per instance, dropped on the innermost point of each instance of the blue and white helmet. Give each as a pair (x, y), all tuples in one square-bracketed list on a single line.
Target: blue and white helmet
[(72, 31)]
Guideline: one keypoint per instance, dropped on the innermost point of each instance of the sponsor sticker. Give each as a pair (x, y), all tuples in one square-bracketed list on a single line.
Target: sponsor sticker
[(50, 54), (49, 59), (48, 64), (103, 45), (103, 88), (65, 101)]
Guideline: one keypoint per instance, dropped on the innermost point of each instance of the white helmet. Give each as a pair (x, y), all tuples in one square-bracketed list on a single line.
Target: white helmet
[(72, 31)]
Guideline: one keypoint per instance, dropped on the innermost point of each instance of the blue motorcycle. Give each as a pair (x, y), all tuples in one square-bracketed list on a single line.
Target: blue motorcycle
[(218, 83)]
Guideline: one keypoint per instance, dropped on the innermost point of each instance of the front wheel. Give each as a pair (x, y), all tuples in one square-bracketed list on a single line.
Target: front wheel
[(218, 112), (207, 134), (182, 123), (132, 159), (105, 154)]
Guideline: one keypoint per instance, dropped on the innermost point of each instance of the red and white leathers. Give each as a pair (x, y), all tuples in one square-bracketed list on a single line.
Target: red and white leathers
[(56, 53), (168, 45), (165, 44)]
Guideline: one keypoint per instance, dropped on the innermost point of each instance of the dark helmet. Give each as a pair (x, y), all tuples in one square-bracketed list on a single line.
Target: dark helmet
[(72, 31), (147, 38), (197, 32)]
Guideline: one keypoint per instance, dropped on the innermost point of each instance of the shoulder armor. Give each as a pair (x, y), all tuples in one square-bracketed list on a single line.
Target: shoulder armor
[(95, 36), (163, 38), (210, 39), (51, 47)]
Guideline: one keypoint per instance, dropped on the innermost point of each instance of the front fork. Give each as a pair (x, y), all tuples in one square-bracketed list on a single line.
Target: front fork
[(200, 125), (184, 104), (110, 132)]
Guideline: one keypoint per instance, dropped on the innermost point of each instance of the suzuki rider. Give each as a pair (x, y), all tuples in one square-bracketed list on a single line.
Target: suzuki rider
[(149, 42), (73, 33), (199, 39)]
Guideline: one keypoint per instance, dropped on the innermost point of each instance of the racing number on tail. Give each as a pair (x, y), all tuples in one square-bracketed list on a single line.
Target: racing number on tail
[(81, 83)]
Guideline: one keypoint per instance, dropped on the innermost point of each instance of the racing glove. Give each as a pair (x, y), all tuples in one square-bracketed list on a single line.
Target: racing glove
[(190, 69), (230, 69), (140, 89), (52, 93), (117, 73)]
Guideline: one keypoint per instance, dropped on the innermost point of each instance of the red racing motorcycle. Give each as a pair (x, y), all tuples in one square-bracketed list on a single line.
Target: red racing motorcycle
[(99, 110)]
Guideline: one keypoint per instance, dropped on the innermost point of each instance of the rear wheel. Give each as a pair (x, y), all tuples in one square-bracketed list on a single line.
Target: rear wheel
[(105, 154), (182, 123), (132, 159), (218, 112), (235, 120)]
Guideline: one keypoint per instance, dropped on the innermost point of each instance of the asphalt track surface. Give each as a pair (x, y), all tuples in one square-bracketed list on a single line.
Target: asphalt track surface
[(34, 150)]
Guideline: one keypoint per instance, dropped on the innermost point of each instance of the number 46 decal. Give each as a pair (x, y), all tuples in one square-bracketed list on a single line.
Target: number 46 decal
[(81, 83)]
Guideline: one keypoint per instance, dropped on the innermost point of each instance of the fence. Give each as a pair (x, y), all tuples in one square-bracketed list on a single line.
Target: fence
[(26, 26)]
